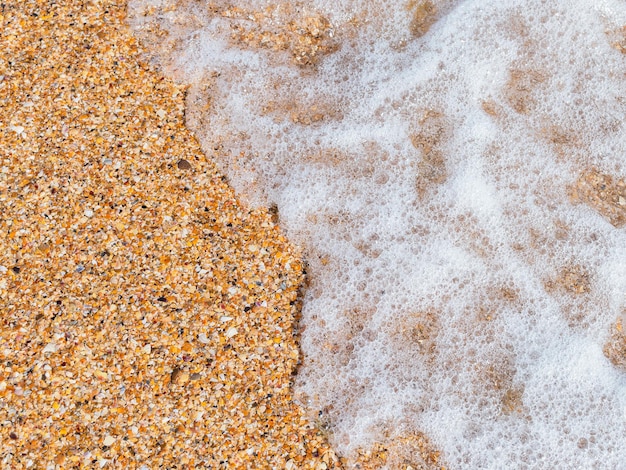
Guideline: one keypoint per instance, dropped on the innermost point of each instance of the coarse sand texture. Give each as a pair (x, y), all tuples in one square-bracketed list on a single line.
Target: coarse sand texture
[(147, 318)]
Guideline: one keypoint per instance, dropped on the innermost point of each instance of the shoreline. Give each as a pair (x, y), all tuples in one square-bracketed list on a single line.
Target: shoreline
[(148, 317)]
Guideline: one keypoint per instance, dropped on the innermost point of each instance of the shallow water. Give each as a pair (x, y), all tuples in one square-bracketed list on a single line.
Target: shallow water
[(427, 156)]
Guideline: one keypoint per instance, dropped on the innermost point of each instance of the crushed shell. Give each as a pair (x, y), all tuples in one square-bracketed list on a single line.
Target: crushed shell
[(122, 252)]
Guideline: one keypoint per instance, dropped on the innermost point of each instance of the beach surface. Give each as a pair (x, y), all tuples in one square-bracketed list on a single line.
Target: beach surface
[(147, 316), (451, 171)]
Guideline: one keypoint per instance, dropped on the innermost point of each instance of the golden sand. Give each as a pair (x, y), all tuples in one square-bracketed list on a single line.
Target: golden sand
[(147, 316)]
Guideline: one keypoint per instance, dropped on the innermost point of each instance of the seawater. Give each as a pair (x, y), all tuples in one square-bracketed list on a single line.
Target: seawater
[(423, 154)]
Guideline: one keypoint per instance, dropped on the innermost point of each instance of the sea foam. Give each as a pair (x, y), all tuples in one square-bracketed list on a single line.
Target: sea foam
[(446, 168)]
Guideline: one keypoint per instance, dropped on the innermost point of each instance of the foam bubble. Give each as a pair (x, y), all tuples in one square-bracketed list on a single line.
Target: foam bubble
[(454, 171)]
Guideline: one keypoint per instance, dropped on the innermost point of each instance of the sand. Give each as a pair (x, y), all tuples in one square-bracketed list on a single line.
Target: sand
[(148, 317)]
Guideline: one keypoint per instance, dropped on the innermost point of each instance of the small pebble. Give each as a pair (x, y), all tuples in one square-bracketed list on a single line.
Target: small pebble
[(232, 331), (51, 348), (184, 165), (203, 338)]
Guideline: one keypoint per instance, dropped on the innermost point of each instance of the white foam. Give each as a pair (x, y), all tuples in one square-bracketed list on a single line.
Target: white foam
[(431, 199)]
